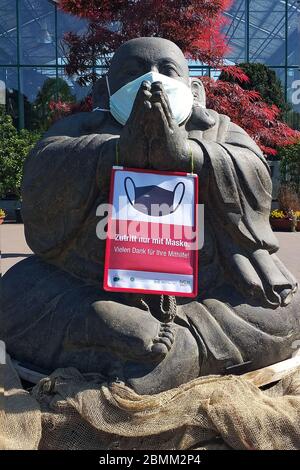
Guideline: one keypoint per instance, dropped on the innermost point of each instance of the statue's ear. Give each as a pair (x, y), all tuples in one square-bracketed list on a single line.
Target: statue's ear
[(100, 94), (201, 118), (198, 92)]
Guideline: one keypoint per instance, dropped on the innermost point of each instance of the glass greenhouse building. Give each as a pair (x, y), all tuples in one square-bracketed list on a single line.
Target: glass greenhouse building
[(31, 49)]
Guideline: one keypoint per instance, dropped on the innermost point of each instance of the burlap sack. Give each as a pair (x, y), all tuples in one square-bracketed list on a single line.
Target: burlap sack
[(83, 412), (80, 412), (20, 416)]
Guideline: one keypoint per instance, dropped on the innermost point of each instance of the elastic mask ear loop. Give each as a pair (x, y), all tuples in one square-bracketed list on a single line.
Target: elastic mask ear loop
[(191, 155), (107, 85), (117, 152), (108, 89)]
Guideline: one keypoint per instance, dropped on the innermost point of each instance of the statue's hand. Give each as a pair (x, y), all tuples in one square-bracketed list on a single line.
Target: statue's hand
[(133, 144), (151, 136), (168, 142)]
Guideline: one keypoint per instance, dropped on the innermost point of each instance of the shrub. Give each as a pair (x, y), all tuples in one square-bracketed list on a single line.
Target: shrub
[(14, 147), (290, 166), (263, 80), (288, 199)]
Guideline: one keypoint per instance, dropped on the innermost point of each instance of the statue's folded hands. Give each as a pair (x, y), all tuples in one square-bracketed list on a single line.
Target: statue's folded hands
[(151, 138), (169, 145), (133, 144)]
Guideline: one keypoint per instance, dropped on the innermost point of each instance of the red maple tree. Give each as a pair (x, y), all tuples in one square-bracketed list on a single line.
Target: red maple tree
[(196, 27), (247, 109)]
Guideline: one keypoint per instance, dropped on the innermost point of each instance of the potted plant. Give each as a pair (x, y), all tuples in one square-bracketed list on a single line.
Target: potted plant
[(287, 217), (279, 220), (2, 216), (285, 220), (294, 217)]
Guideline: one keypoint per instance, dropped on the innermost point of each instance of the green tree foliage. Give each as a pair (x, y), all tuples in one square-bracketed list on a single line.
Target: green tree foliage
[(12, 97), (52, 89), (14, 148), (265, 81), (290, 166)]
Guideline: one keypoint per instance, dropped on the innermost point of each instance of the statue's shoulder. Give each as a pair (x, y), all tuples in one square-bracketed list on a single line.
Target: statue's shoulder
[(226, 131), (219, 130), (79, 124)]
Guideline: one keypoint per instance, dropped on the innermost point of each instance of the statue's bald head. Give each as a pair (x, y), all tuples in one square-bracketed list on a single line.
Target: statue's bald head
[(139, 56)]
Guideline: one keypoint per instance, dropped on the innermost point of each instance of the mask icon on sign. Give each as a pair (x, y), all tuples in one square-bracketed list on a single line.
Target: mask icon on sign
[(154, 200)]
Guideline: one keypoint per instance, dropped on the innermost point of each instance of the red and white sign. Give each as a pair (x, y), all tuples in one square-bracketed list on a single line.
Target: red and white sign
[(151, 242)]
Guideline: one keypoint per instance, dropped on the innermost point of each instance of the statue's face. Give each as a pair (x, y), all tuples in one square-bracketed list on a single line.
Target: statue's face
[(142, 55)]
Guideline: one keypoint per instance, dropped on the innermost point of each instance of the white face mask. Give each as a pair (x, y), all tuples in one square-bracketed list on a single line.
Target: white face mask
[(180, 97)]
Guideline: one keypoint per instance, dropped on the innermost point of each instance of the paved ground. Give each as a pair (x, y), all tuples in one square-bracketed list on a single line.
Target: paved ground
[(13, 245), (14, 248)]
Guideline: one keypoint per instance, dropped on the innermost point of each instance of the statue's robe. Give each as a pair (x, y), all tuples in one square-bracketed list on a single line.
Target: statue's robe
[(246, 310)]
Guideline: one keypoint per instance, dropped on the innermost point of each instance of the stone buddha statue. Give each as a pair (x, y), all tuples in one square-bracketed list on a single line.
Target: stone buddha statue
[(54, 311)]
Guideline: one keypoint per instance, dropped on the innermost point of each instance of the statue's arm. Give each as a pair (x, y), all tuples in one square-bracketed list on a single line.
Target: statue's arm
[(63, 177), (250, 159)]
